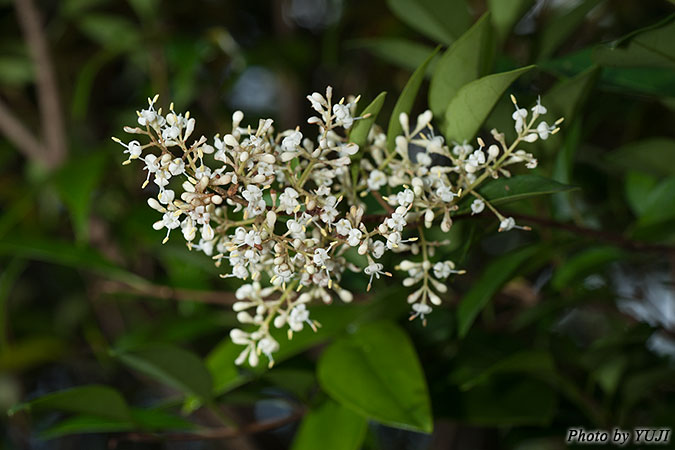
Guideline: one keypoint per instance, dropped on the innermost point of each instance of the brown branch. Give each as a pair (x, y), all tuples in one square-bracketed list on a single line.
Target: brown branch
[(51, 116), (19, 135), (212, 433), (168, 293), (381, 201)]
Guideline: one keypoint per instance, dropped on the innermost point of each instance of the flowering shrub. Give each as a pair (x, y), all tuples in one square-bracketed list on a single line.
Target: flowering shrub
[(283, 212)]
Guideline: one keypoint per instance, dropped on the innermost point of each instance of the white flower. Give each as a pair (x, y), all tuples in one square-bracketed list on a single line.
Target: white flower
[(397, 220), (376, 180), (320, 257), (539, 109), (354, 238), (477, 206), (254, 196), (343, 227), (291, 142), (445, 194), (343, 116), (442, 270), (298, 317), (288, 200), (544, 130), (393, 240), (177, 167), (378, 249), (267, 346), (405, 197), (520, 115), (507, 224), (420, 310), (166, 196)]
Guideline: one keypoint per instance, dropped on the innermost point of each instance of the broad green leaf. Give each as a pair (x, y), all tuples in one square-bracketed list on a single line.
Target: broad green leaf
[(30, 352), (376, 373), (110, 31), (406, 100), (359, 132), (330, 427), (67, 254), (334, 319), (584, 263), (533, 362), (638, 186), (75, 183), (100, 401), (644, 80), (460, 64), (519, 187), (659, 204), (495, 275), (505, 14), (144, 419), (568, 97), (170, 365), (397, 51), (649, 47), (560, 27), (655, 156), (470, 107), (441, 20)]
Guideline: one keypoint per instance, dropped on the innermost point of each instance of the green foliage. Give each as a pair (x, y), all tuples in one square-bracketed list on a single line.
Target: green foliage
[(442, 21), (469, 108), (331, 427), (375, 372)]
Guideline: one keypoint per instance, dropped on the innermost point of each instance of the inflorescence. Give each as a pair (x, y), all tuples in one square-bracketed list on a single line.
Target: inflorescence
[(280, 211)]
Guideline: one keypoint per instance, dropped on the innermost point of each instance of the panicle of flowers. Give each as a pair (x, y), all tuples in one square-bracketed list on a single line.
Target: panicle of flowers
[(425, 179), (279, 210)]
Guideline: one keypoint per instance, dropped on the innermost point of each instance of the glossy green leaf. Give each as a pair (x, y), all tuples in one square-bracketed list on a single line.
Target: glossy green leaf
[(100, 401), (406, 100), (334, 319), (170, 365), (460, 64), (649, 47), (568, 97), (519, 187), (470, 107), (505, 14), (655, 156), (441, 20), (330, 427), (495, 275), (397, 51), (75, 183), (561, 26), (584, 263), (376, 373), (359, 132)]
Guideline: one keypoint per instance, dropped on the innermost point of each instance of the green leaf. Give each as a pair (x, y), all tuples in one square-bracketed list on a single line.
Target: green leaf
[(376, 373), (110, 31), (496, 274), (75, 183), (100, 401), (65, 253), (654, 156), (648, 47), (659, 204), (460, 64), (567, 97), (144, 419), (637, 188), (519, 187), (560, 27), (441, 20), (586, 262), (532, 362), (359, 132), (330, 427), (470, 107), (406, 100), (397, 51), (170, 365), (505, 14)]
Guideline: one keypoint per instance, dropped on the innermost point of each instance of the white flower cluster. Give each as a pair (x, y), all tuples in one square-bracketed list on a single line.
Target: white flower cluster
[(281, 210)]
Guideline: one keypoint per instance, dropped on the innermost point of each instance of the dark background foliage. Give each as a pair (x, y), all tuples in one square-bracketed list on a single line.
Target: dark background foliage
[(571, 324)]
